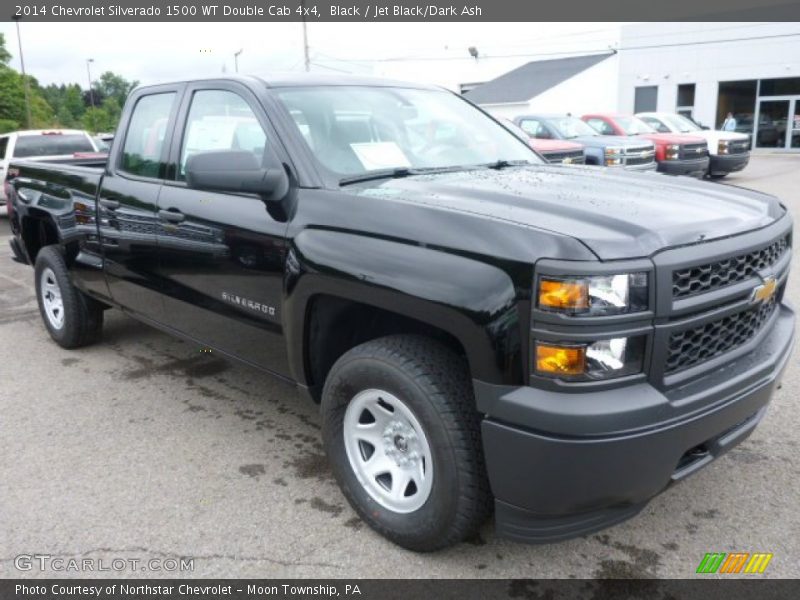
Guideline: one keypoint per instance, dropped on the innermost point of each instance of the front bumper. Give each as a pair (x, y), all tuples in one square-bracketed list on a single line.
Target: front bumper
[(566, 464), (695, 167), (651, 166), (728, 163)]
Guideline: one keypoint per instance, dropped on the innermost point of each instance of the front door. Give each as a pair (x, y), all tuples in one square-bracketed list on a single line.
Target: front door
[(222, 254), (127, 201), (779, 123)]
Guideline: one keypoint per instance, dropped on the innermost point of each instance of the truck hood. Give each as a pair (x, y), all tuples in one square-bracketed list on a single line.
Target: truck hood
[(671, 138), (603, 141), (713, 136), (616, 214), (553, 145)]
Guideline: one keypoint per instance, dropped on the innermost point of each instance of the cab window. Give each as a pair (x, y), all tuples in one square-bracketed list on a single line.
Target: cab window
[(220, 120), (600, 126), (656, 124), (535, 129), (144, 141)]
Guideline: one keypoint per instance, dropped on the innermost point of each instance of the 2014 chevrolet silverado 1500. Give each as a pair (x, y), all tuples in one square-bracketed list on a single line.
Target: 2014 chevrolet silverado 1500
[(482, 330)]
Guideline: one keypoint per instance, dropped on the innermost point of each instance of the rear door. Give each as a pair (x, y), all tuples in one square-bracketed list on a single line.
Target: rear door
[(128, 219), (221, 255)]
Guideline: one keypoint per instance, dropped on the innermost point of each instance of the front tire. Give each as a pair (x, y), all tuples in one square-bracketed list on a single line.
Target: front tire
[(403, 438), (71, 318)]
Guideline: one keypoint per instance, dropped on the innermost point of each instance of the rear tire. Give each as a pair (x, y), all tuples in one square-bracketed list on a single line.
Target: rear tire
[(429, 440), (717, 177), (72, 319)]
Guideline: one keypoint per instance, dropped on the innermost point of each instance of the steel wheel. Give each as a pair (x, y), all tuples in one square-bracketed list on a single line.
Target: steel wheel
[(388, 451), (51, 298)]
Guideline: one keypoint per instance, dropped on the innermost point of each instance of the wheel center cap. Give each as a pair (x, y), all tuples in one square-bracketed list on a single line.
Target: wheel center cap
[(401, 443)]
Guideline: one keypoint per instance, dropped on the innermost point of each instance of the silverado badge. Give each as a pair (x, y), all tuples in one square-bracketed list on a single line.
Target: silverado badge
[(765, 291)]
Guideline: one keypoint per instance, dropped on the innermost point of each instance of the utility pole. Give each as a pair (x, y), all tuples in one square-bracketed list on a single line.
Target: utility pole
[(236, 59), (89, 73), (24, 77), (306, 60)]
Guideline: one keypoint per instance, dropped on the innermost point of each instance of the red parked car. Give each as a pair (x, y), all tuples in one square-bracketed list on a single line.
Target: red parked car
[(553, 151), (676, 154)]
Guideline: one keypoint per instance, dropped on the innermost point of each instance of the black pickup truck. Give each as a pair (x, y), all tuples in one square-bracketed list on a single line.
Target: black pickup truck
[(483, 331)]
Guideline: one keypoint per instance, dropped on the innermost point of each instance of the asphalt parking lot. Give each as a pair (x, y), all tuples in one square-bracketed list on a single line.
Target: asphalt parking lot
[(144, 447)]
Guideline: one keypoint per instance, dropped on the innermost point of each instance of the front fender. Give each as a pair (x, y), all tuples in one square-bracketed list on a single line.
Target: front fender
[(484, 306)]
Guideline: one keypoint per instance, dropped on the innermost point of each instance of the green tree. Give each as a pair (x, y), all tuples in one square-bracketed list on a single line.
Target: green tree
[(5, 55), (111, 85), (13, 110), (96, 120)]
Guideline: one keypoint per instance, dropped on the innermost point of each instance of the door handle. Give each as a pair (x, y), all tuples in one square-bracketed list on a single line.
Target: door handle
[(109, 204), (172, 215)]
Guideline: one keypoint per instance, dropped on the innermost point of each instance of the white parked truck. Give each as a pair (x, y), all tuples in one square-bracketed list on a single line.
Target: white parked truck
[(52, 145), (729, 151)]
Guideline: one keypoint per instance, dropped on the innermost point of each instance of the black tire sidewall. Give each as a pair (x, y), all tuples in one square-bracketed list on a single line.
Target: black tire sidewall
[(430, 523), (68, 335)]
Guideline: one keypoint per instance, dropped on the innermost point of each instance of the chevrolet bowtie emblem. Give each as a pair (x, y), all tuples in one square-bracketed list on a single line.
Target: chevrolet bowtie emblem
[(765, 291)]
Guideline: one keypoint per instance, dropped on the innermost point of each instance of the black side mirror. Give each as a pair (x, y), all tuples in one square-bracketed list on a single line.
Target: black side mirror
[(236, 171)]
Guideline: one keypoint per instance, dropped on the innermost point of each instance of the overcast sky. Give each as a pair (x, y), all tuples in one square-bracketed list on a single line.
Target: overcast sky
[(154, 52)]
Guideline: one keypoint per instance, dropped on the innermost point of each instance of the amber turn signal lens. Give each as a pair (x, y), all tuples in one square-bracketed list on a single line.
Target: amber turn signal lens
[(560, 360), (563, 295)]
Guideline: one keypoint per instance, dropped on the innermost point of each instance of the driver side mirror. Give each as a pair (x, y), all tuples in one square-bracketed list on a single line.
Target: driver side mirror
[(236, 171)]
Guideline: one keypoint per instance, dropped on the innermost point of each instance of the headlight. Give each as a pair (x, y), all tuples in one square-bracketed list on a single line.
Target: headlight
[(613, 156), (723, 148), (603, 359), (595, 295), (672, 152)]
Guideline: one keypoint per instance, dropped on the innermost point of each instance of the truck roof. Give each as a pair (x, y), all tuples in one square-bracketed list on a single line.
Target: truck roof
[(54, 130), (276, 80)]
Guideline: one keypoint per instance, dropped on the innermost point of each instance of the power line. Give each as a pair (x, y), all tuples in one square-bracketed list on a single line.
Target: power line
[(570, 53)]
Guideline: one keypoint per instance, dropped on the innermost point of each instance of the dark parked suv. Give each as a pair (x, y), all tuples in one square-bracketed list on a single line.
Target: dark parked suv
[(482, 331)]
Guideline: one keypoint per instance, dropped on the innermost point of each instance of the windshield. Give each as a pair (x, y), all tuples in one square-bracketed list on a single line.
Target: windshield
[(51, 144), (680, 123), (633, 125), (572, 127), (353, 130)]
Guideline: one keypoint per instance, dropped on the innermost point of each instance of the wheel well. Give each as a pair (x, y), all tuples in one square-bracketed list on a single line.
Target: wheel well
[(336, 325), (36, 234)]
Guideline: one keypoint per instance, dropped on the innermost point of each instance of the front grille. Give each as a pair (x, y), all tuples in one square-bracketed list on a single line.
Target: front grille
[(694, 150), (639, 155), (711, 276), (638, 149), (692, 346), (739, 147), (575, 157), (639, 160)]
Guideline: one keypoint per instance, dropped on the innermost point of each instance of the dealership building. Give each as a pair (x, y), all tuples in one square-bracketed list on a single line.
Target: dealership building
[(705, 70), (702, 70)]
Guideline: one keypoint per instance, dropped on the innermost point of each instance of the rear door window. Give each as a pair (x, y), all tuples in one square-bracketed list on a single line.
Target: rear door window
[(52, 144), (143, 152)]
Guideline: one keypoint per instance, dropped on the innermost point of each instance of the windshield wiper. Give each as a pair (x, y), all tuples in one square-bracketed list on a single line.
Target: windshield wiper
[(394, 173), (502, 164), (397, 173)]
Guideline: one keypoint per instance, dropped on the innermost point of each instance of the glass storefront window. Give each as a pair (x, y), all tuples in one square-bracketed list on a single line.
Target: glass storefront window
[(789, 86), (739, 98)]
